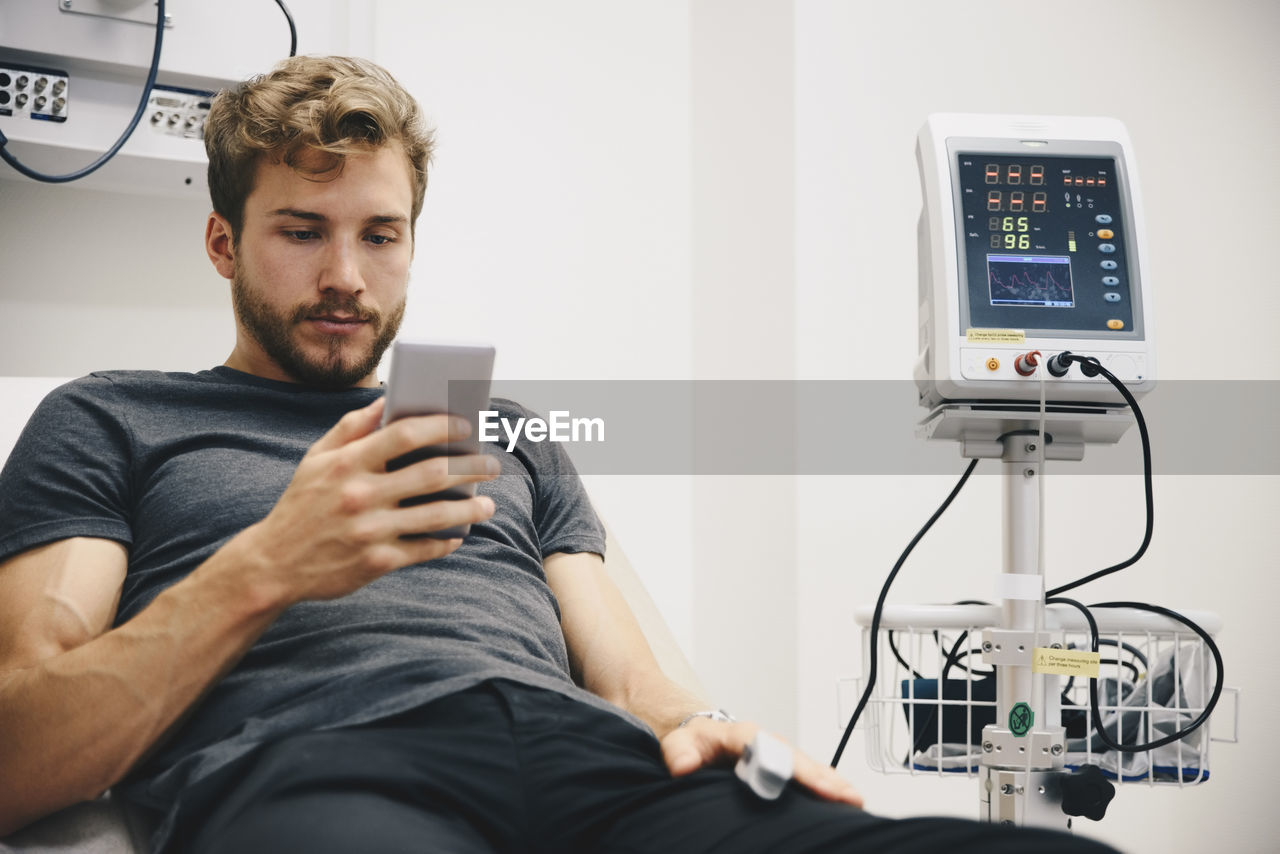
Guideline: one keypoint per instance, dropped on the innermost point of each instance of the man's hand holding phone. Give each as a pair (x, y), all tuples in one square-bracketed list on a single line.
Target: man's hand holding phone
[(366, 501)]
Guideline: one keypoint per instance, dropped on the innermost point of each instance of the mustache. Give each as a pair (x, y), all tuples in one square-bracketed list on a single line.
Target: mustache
[(348, 306)]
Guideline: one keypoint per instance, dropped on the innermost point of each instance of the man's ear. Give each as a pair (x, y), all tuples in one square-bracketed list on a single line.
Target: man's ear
[(219, 242)]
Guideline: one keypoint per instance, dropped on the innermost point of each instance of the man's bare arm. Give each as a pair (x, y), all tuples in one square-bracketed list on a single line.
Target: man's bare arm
[(610, 657), (81, 704), (608, 653)]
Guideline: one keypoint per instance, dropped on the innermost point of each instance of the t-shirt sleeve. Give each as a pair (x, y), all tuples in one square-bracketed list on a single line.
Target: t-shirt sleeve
[(69, 473), (562, 513)]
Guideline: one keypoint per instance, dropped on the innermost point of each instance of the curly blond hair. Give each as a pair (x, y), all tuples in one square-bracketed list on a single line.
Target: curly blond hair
[(335, 105)]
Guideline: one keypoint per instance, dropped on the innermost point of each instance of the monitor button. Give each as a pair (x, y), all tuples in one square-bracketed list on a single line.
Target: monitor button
[(1111, 296), (1106, 248), (1109, 264), (1115, 324), (1105, 234), (1111, 281), (1103, 219)]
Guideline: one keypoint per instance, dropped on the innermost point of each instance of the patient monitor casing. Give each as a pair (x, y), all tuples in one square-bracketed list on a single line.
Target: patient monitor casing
[(1031, 238)]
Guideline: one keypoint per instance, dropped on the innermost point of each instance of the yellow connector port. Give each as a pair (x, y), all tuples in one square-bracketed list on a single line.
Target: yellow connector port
[(993, 364)]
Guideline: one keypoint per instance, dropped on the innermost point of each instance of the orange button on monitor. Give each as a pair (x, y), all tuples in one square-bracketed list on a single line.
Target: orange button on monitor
[(1115, 324), (1106, 233)]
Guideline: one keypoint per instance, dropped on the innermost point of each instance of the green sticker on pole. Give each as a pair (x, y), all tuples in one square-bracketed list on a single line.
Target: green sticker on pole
[(1020, 719)]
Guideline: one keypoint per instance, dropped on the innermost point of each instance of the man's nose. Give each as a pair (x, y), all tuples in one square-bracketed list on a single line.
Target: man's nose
[(341, 269)]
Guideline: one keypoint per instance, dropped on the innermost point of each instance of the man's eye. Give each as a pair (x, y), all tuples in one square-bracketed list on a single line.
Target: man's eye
[(301, 235), (380, 239)]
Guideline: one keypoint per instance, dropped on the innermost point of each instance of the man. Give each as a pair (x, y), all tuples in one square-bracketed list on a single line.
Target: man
[(208, 601)]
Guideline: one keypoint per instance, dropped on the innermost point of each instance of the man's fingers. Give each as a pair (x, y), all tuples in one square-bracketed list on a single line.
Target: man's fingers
[(824, 781), (405, 435), (680, 752), (356, 424), (704, 743), (441, 515), (438, 473), (385, 541)]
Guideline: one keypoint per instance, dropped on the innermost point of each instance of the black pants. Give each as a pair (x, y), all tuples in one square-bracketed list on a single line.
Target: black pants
[(503, 767)]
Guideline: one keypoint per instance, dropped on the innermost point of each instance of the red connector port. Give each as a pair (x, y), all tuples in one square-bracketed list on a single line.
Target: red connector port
[(1026, 364)]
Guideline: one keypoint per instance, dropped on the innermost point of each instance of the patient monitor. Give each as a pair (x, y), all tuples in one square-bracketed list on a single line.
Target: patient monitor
[(1031, 243), (1036, 339)]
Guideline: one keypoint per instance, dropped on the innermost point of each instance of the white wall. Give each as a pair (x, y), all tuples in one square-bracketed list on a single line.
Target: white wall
[(716, 189), (743, 302)]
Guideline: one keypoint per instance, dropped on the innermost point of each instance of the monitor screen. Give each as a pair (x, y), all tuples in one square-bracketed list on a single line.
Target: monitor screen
[(1045, 246), (1030, 280)]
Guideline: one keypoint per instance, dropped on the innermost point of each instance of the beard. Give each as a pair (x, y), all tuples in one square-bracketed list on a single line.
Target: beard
[(335, 368)]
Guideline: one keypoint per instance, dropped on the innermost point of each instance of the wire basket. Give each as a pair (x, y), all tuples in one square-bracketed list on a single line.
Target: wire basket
[(1155, 678)]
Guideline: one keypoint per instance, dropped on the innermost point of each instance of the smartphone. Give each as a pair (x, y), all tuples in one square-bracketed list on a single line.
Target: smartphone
[(430, 379)]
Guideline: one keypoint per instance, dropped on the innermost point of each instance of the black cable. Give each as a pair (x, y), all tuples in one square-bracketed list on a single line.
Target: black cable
[(1095, 712), (1217, 687), (1133, 651), (1090, 367), (293, 29), (884, 592), (893, 647), (8, 157), (953, 657)]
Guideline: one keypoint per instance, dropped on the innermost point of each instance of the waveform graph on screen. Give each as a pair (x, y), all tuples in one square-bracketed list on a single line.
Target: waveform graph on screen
[(1043, 280)]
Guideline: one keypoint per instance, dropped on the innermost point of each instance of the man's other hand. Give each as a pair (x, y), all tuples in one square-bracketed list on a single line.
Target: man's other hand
[(703, 742)]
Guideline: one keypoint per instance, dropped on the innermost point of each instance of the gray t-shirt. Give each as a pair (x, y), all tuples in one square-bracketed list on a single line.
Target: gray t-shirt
[(174, 465)]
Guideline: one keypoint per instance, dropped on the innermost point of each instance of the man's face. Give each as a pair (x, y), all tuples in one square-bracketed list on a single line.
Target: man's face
[(320, 269)]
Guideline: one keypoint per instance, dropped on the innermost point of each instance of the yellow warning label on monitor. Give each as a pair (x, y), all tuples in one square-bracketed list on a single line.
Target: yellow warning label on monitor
[(995, 336), (1065, 662)]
